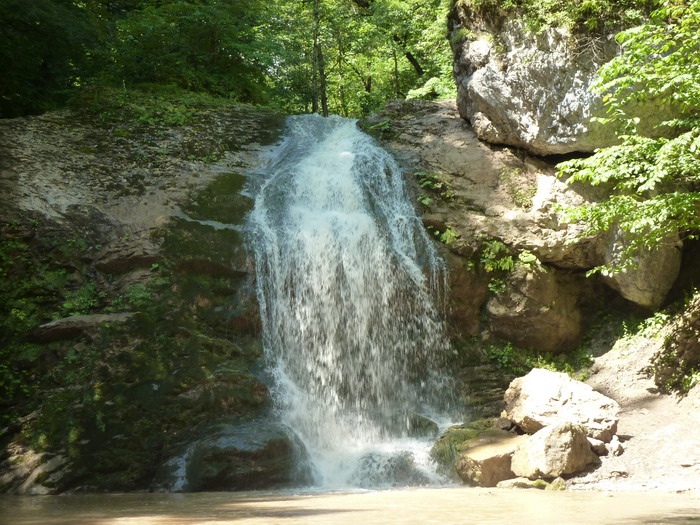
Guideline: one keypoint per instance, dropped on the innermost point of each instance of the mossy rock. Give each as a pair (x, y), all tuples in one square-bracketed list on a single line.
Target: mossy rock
[(447, 448)]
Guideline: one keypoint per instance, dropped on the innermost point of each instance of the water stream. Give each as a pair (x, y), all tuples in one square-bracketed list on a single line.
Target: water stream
[(350, 291)]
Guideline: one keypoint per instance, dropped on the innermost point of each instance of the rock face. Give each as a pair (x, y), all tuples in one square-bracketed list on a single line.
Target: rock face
[(236, 457), (530, 89), (480, 193), (539, 309), (543, 398), (101, 221), (488, 460), (553, 451), (655, 272), (32, 473), (76, 325)]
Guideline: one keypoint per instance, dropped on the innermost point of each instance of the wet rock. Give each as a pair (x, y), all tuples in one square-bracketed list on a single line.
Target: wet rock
[(538, 309), (395, 470), (486, 459), (522, 483), (543, 398), (447, 449), (553, 451), (207, 267), (74, 326), (421, 426), (256, 455)]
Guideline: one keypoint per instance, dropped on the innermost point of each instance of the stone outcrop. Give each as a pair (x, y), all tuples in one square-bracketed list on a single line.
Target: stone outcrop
[(538, 309), (236, 457), (653, 275), (483, 193), (532, 89), (543, 398), (107, 220), (553, 451), (73, 326), (486, 460)]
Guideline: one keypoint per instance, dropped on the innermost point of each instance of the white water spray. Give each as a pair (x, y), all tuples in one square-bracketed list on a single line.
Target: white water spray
[(347, 284)]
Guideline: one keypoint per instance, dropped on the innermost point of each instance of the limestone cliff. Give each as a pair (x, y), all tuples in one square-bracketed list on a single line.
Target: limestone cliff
[(531, 89)]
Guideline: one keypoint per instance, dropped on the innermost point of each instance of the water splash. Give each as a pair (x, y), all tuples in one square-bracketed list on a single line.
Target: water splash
[(347, 283)]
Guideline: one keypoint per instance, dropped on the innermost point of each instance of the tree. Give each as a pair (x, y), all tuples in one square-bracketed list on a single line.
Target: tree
[(655, 182), (48, 48), (200, 46)]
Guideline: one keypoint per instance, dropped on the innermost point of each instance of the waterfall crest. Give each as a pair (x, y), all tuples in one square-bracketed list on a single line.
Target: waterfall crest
[(347, 283)]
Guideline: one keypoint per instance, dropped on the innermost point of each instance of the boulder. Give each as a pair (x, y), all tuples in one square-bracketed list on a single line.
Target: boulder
[(532, 89), (543, 398), (539, 309), (394, 470), (655, 271), (487, 461), (553, 451), (251, 456), (73, 326)]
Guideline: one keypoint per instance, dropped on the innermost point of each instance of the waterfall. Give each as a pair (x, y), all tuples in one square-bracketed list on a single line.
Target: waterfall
[(348, 284)]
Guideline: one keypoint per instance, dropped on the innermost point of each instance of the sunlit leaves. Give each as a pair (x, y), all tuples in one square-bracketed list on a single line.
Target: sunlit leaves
[(654, 182)]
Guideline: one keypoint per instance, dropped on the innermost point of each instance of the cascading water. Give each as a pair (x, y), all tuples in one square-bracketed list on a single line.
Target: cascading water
[(347, 284)]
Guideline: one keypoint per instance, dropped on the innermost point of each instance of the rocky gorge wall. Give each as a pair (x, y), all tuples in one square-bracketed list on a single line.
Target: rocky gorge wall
[(131, 353)]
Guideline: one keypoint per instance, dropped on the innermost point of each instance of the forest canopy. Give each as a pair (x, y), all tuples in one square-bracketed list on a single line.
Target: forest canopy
[(331, 56)]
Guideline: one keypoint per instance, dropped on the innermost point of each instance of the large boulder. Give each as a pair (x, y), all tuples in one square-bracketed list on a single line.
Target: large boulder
[(553, 451), (543, 398), (654, 273), (251, 456), (532, 89), (487, 461), (539, 309)]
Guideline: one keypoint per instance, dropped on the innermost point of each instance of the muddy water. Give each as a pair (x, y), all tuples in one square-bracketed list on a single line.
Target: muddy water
[(419, 506)]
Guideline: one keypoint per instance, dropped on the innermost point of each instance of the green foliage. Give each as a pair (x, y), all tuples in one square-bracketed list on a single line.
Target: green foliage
[(436, 184), (84, 300), (449, 236), (148, 105), (434, 89), (519, 361), (655, 183), (48, 47), (355, 55), (211, 47), (582, 16), (495, 257)]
